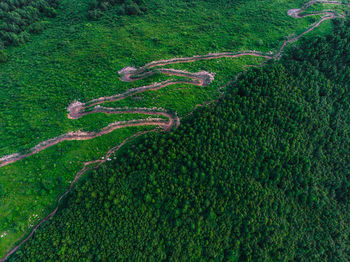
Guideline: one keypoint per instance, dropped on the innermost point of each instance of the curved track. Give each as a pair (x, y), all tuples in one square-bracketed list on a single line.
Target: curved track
[(128, 74), (87, 167)]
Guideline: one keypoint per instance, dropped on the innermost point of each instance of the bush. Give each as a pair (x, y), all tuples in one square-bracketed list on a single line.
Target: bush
[(94, 14), (132, 9), (3, 56), (37, 27), (50, 12), (125, 7)]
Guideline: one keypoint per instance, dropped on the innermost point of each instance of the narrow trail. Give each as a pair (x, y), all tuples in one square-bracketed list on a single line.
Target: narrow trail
[(128, 74), (87, 167)]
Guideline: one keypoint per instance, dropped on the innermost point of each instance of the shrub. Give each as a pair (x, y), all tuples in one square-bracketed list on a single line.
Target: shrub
[(132, 9), (3, 56), (125, 7), (94, 14), (37, 27)]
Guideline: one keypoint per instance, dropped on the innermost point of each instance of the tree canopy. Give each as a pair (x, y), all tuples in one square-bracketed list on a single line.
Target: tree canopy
[(18, 18)]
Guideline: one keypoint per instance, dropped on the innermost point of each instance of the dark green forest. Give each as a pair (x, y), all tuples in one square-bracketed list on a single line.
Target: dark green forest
[(18, 18), (261, 175)]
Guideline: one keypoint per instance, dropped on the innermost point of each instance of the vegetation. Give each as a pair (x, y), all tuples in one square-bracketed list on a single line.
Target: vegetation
[(3, 56), (128, 7), (19, 18), (341, 9), (259, 176), (77, 59)]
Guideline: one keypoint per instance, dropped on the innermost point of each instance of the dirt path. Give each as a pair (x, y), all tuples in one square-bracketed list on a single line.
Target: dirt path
[(78, 109), (87, 167)]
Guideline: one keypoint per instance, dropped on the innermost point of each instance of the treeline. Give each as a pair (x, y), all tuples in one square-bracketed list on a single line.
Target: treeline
[(262, 175), (125, 7)]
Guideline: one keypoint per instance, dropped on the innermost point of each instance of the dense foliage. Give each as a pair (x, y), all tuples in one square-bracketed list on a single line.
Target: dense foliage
[(128, 7), (21, 17), (261, 175)]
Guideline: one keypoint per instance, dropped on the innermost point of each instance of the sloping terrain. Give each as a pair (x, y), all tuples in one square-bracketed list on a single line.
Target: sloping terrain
[(258, 176), (37, 181)]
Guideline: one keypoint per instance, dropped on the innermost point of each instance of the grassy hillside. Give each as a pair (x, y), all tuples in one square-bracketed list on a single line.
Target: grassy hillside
[(259, 176), (77, 59)]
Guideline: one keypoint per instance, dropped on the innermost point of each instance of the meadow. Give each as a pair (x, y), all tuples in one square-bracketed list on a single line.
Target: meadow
[(78, 59)]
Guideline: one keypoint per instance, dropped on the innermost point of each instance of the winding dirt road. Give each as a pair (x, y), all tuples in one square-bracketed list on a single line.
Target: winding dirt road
[(78, 109), (87, 167)]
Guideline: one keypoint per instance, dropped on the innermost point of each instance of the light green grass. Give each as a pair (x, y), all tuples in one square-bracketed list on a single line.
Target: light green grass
[(34, 184), (321, 7)]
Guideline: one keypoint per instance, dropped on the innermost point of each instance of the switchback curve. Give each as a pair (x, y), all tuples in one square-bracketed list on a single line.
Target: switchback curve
[(128, 74), (78, 109)]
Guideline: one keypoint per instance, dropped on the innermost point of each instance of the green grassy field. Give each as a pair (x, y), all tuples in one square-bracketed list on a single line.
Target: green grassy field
[(77, 59), (321, 7)]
